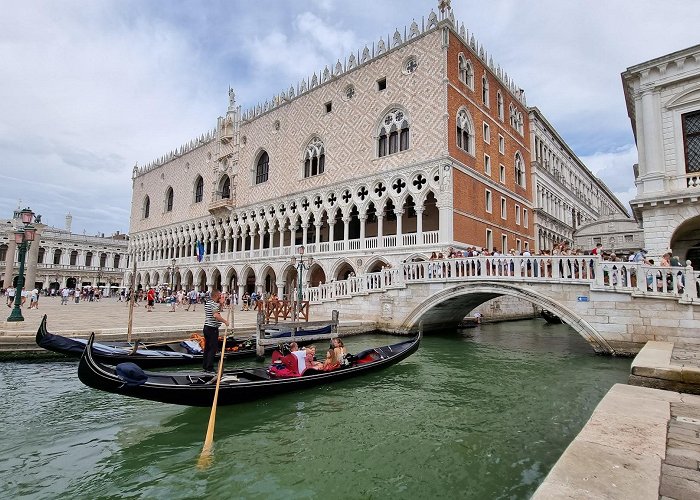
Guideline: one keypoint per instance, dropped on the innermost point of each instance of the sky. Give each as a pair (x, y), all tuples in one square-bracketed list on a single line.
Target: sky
[(90, 88)]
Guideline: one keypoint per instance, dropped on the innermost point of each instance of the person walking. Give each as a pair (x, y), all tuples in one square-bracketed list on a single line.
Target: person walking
[(212, 322)]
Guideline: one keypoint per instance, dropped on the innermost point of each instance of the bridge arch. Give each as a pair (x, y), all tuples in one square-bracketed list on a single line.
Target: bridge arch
[(448, 307)]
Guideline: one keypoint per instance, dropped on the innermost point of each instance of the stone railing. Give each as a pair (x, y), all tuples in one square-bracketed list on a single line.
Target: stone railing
[(680, 283), (693, 180)]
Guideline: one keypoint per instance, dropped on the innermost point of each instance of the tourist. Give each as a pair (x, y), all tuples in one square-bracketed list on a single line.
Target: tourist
[(331, 362), (10, 296), (64, 296), (300, 357), (210, 331), (339, 348), (34, 299), (244, 302), (150, 298)]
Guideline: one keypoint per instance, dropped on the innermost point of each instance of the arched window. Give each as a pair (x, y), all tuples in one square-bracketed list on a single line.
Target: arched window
[(314, 158), (169, 195), (88, 259), (466, 72), (198, 189), (465, 131), (103, 260), (225, 187), (146, 207), (73, 258), (116, 261), (40, 260), (499, 105), (485, 90), (57, 256), (262, 168), (519, 170), (513, 117), (3, 253), (393, 133)]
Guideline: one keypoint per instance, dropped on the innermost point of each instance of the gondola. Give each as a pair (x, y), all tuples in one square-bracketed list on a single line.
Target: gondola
[(278, 332), (236, 386), (550, 317), (167, 355)]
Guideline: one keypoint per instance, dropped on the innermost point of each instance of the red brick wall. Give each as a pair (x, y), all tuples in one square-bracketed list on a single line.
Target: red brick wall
[(470, 218)]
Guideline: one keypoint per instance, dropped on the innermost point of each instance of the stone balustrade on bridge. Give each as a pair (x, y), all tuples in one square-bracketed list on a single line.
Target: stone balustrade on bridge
[(615, 306)]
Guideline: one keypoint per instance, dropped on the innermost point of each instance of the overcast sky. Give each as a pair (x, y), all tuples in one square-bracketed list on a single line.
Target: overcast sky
[(89, 88)]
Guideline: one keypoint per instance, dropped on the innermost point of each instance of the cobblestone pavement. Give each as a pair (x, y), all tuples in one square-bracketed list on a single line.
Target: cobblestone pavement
[(680, 477), (686, 355), (111, 315)]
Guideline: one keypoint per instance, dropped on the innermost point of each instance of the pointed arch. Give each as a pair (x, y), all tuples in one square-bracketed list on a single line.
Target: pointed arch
[(465, 131), (393, 132), (198, 193)]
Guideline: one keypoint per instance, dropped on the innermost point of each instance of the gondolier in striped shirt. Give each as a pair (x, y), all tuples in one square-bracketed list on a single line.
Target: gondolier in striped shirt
[(212, 322)]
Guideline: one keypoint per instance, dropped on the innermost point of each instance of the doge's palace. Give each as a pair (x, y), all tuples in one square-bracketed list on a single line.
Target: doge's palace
[(413, 145)]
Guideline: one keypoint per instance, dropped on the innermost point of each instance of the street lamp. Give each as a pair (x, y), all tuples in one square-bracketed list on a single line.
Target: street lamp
[(172, 268), (23, 237), (301, 266)]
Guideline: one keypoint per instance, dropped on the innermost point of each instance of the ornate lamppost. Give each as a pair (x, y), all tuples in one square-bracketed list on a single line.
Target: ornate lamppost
[(301, 266), (172, 269), (23, 237)]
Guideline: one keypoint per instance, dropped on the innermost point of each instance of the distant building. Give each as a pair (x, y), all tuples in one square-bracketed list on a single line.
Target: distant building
[(567, 195), (616, 232), (59, 258), (663, 103)]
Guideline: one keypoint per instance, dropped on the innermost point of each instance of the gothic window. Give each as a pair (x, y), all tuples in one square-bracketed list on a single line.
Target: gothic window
[(466, 73), (314, 158), (199, 189), (393, 133), (691, 141), (262, 168), (225, 187), (146, 207), (169, 200), (499, 105), (465, 131), (485, 90), (512, 114), (519, 170)]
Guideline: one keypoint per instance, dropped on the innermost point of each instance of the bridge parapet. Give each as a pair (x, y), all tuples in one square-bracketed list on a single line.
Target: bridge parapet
[(632, 278)]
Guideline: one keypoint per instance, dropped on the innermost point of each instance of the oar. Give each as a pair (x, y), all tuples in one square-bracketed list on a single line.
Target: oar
[(205, 456)]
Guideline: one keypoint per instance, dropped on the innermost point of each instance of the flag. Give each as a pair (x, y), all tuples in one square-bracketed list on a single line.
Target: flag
[(200, 251)]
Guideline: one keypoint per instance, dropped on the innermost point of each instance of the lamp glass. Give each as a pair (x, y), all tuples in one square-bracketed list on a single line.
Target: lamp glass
[(29, 233), (26, 215), (301, 250), (293, 260), (19, 236)]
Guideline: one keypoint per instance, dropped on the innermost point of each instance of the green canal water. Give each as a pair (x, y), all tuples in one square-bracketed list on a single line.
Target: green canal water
[(483, 413)]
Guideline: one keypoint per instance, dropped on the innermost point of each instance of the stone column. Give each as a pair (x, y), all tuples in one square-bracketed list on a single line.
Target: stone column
[(10, 261), (292, 241), (380, 230), (419, 225), (241, 289), (31, 262), (346, 232), (399, 227), (363, 220), (318, 234), (304, 234), (331, 230), (280, 230)]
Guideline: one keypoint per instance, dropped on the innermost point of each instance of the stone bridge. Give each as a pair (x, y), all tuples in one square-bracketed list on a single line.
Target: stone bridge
[(615, 306)]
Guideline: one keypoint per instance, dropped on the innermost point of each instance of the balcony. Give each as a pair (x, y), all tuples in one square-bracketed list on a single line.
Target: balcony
[(220, 205)]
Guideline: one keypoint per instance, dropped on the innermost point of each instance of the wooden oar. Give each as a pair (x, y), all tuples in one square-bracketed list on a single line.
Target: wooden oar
[(205, 457)]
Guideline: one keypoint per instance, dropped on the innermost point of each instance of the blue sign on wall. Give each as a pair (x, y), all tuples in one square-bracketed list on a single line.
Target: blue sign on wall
[(582, 298)]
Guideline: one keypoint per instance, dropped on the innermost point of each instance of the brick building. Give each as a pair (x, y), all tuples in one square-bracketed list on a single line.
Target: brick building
[(413, 145)]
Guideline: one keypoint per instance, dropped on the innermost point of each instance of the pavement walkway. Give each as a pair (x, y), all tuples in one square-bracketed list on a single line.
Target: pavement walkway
[(109, 319)]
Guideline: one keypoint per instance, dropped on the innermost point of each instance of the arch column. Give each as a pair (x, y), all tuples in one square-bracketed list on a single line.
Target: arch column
[(346, 232), (380, 229), (10, 261), (399, 227), (304, 234), (331, 230), (319, 225), (280, 230), (293, 233), (261, 235), (363, 220), (419, 225)]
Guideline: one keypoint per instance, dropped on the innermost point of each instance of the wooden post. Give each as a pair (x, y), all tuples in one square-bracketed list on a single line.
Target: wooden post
[(131, 302), (260, 331), (334, 319)]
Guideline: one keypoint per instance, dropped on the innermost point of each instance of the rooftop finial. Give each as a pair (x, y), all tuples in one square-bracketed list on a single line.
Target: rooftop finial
[(444, 5), (231, 97)]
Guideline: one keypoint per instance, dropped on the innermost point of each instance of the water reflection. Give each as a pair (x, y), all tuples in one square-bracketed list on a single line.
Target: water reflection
[(481, 413)]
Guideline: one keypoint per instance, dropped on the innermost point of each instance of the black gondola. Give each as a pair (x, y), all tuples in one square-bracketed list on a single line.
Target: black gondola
[(167, 354), (277, 332), (550, 317), (236, 386)]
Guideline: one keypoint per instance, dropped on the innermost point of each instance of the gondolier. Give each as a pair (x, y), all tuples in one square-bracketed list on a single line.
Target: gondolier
[(212, 322)]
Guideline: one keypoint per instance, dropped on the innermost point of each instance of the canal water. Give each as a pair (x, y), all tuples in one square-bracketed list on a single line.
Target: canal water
[(483, 413)]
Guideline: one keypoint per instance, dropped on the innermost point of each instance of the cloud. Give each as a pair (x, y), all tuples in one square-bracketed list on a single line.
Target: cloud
[(94, 87), (614, 168)]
